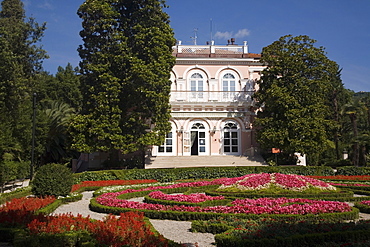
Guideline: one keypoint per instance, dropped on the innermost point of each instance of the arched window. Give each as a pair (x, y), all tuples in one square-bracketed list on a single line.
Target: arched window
[(196, 85), (231, 138), (228, 85)]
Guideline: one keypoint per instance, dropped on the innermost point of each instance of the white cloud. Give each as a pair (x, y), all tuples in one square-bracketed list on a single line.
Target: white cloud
[(242, 33), (46, 5), (228, 35)]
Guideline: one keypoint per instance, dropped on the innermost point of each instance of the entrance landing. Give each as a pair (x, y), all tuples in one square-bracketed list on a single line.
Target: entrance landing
[(202, 161)]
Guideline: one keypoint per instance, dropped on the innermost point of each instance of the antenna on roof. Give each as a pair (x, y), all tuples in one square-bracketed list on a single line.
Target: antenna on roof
[(211, 26), (195, 36)]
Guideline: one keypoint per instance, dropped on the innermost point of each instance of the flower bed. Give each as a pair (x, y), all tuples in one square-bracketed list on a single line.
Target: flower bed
[(193, 198), (283, 206), (344, 177), (20, 211), (129, 229), (263, 181)]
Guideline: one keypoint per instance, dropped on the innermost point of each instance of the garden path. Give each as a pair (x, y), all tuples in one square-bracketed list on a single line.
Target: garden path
[(178, 231)]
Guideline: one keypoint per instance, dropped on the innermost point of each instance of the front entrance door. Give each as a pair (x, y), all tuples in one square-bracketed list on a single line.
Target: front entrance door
[(195, 142), (198, 139)]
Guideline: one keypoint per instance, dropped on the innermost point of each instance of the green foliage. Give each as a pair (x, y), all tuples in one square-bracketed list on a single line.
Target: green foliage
[(18, 193), (12, 170), (353, 171), (125, 71), (20, 61), (57, 116), (52, 179), (81, 238), (168, 175), (294, 92), (95, 176)]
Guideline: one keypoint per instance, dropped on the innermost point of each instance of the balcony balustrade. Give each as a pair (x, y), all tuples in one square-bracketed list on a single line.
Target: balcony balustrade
[(241, 97)]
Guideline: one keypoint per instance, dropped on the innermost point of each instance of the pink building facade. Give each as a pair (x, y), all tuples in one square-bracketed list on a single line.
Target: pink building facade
[(212, 109)]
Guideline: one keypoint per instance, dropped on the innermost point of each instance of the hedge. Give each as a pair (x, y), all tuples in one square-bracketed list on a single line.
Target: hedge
[(304, 240)]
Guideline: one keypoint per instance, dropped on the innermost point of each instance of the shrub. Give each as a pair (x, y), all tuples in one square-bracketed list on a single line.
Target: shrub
[(52, 179), (11, 170)]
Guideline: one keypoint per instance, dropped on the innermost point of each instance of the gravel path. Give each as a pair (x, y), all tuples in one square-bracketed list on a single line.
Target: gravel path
[(178, 231)]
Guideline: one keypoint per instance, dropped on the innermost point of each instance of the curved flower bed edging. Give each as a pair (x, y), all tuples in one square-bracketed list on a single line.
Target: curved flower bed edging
[(363, 206), (110, 203)]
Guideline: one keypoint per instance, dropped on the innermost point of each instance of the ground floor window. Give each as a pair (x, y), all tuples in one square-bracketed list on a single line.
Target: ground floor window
[(231, 138), (167, 147)]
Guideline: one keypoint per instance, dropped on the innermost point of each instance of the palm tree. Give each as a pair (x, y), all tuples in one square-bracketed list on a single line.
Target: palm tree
[(58, 116), (354, 110), (363, 140)]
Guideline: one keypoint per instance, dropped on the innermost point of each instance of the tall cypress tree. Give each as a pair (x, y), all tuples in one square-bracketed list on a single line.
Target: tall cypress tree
[(20, 61), (125, 68)]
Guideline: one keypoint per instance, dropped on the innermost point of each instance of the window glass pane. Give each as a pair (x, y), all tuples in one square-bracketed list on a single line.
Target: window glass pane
[(232, 85), (169, 142), (225, 86), (234, 134), (227, 141), (200, 85), (193, 86), (202, 134), (226, 149), (169, 135), (234, 141), (202, 142), (227, 134), (202, 149), (169, 149), (235, 149), (161, 149)]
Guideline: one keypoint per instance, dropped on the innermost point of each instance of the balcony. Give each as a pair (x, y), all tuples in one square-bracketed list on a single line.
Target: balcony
[(240, 97)]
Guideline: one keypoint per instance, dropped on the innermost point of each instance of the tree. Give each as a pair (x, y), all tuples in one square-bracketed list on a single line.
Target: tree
[(20, 60), (58, 115), (293, 92), (355, 110), (125, 71), (338, 96)]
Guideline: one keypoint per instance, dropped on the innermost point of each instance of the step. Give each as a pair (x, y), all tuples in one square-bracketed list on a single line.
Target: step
[(202, 161)]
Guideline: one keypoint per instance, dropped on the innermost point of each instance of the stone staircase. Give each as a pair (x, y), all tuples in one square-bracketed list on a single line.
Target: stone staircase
[(202, 161)]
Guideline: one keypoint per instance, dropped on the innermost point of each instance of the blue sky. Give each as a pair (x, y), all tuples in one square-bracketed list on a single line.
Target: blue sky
[(341, 26)]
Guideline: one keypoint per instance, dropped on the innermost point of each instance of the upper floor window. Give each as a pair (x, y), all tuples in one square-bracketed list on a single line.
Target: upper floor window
[(196, 85), (228, 83), (196, 82)]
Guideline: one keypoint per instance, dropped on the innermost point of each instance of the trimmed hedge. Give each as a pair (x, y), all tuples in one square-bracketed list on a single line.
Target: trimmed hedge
[(362, 207), (58, 202), (18, 193), (305, 240), (171, 174)]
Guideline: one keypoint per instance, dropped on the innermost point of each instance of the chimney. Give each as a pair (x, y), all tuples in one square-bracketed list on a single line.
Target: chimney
[(232, 41)]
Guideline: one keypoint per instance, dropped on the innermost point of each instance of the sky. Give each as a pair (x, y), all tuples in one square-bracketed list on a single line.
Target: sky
[(342, 27)]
